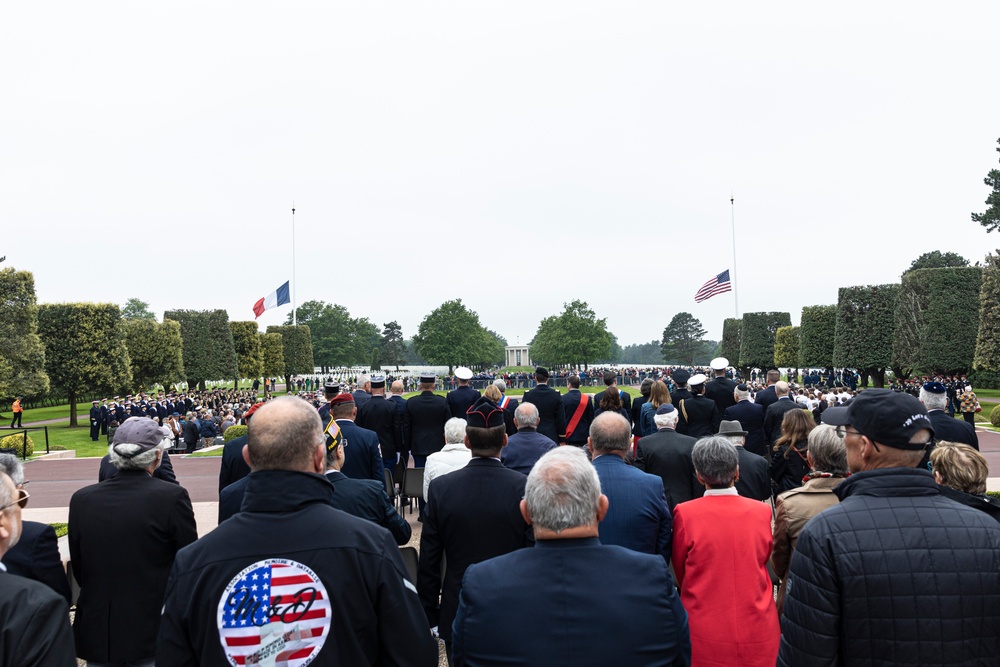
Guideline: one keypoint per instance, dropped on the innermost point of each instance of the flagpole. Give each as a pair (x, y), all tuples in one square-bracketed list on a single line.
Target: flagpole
[(293, 264), (736, 285)]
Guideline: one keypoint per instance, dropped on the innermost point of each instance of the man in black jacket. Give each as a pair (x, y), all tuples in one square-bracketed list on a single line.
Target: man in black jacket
[(720, 389), (667, 453), (896, 574), (552, 420), (289, 575)]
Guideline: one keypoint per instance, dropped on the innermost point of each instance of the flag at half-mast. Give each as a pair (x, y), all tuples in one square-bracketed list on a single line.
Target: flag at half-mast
[(278, 297), (715, 285)]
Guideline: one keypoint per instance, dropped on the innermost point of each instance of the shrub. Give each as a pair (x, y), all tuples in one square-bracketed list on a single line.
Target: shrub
[(995, 416), (234, 431), (16, 442)]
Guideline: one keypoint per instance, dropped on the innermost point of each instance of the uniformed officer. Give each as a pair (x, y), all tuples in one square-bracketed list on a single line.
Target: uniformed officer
[(95, 421), (720, 389), (382, 416), (462, 397), (330, 391), (423, 422), (699, 415)]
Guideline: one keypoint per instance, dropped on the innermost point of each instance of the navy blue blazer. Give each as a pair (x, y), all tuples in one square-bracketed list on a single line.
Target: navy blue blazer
[(524, 448), (552, 420), (638, 517), (461, 399), (548, 599), (367, 499), (36, 556), (164, 472), (750, 415), (362, 458), (233, 466)]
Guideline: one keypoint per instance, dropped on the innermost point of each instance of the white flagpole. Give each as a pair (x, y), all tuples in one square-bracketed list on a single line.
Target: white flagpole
[(293, 264), (736, 286)]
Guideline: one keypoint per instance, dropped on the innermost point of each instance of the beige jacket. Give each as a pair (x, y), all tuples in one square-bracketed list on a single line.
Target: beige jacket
[(793, 509)]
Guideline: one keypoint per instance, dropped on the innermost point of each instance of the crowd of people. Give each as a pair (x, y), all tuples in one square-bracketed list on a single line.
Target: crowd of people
[(706, 521)]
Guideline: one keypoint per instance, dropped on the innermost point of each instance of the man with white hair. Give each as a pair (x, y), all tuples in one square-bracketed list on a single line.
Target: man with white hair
[(131, 525), (34, 621), (934, 396), (566, 581), (526, 446), (453, 455), (362, 391), (751, 417), (667, 453)]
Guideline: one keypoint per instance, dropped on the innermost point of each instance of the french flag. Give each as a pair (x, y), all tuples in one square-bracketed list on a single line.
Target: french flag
[(278, 297)]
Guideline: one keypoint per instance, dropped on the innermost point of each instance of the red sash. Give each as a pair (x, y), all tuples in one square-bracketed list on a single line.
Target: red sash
[(578, 415)]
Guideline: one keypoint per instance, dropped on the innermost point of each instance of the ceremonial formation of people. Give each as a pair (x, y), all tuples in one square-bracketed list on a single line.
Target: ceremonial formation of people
[(710, 520)]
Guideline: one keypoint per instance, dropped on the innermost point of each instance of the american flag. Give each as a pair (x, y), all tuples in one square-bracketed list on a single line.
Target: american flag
[(276, 612), (716, 285)]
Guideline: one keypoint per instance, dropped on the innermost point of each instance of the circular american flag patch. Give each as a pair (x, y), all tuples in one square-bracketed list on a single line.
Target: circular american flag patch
[(274, 612)]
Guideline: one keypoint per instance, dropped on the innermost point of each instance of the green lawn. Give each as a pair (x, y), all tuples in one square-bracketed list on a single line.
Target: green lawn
[(71, 438)]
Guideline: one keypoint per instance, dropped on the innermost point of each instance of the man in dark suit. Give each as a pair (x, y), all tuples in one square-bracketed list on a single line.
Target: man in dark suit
[(508, 405), (720, 389), (424, 420), (382, 417), (396, 398), (767, 396), (564, 582), (36, 554), (680, 378), (667, 453), (611, 384), (152, 521), (635, 412), (934, 396), (751, 417), (95, 421), (526, 446), (472, 515), (775, 413), (34, 620), (364, 498), (364, 460), (462, 397), (754, 480), (192, 432), (637, 518), (361, 393), (699, 415), (552, 420), (577, 428)]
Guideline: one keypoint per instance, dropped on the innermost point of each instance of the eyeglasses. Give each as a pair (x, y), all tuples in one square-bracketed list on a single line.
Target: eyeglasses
[(22, 500), (855, 432)]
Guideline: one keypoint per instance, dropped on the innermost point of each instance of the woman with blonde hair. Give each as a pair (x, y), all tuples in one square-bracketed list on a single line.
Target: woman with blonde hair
[(659, 394), (960, 472), (789, 462)]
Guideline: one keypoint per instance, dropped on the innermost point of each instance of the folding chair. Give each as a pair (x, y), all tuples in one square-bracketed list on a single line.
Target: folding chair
[(413, 485)]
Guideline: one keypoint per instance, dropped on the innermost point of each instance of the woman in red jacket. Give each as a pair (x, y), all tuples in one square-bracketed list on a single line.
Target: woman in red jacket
[(721, 546)]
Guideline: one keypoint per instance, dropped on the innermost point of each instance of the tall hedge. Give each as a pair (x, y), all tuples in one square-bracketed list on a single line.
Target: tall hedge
[(786, 347), (84, 349), (246, 343), (816, 336), (866, 318), (937, 319), (987, 357), (208, 345), (20, 346), (155, 351), (729, 346), (297, 349), (757, 338), (272, 354)]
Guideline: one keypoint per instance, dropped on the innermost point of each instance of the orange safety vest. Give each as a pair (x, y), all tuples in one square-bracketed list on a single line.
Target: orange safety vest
[(16, 407)]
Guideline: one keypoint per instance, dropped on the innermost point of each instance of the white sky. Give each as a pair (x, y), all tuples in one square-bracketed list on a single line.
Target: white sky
[(516, 155)]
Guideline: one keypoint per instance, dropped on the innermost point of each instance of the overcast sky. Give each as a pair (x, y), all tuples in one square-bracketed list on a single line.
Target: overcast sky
[(515, 155)]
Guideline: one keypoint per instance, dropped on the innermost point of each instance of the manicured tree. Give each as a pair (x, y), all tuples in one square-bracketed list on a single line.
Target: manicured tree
[(246, 343), (786, 347), (84, 349), (682, 339), (757, 338), (272, 354), (987, 358), (452, 335), (22, 371), (865, 324), (297, 350), (937, 318), (155, 352), (208, 345), (935, 259), (816, 336)]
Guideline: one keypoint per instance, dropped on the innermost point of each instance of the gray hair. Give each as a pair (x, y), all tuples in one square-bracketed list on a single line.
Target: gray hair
[(526, 415), (829, 454), (124, 456), (5, 497), (563, 490), (716, 460), (500, 384), (737, 440), (668, 420), (454, 430), (741, 394), (610, 432), (933, 401), (11, 465)]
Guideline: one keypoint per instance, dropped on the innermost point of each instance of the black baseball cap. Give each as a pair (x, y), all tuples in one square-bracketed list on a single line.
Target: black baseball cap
[(883, 416)]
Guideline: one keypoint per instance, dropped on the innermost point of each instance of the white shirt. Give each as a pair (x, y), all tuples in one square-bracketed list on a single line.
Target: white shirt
[(728, 491), (452, 456)]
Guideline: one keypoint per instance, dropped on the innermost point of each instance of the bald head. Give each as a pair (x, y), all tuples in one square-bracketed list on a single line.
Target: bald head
[(285, 434), (397, 387), (781, 388)]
